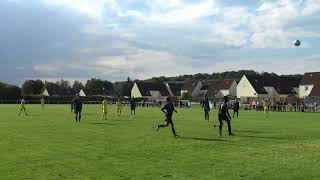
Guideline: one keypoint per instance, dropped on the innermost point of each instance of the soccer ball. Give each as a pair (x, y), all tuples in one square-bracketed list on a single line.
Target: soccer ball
[(297, 42)]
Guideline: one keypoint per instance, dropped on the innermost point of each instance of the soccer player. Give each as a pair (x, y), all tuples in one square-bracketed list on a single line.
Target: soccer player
[(42, 102), (118, 107), (23, 107), (133, 106), (77, 105), (72, 104), (206, 108), (236, 107), (224, 115), (168, 110), (104, 107), (266, 108)]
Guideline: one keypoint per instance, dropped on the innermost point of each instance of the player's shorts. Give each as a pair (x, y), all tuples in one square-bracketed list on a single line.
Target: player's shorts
[(133, 108), (223, 117), (77, 111), (23, 108), (169, 118)]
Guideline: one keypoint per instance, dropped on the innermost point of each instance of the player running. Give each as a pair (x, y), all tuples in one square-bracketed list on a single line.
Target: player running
[(42, 102), (119, 107), (206, 108), (133, 106), (23, 107), (266, 108), (104, 107), (236, 107), (77, 105), (224, 115), (168, 110)]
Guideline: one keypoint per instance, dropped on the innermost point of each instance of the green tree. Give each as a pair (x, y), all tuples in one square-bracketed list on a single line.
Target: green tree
[(32, 87), (77, 86)]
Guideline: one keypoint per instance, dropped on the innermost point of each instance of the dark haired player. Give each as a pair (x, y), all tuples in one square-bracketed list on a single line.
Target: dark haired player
[(206, 108), (236, 107), (133, 106), (168, 110), (77, 105), (225, 115)]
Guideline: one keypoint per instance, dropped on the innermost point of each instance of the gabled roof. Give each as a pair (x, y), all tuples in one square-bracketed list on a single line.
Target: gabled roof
[(176, 87), (310, 78), (61, 91), (96, 92), (213, 87), (189, 86), (315, 90), (146, 87), (283, 85)]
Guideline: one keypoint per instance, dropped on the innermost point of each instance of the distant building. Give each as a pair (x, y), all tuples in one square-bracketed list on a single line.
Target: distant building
[(310, 85), (267, 87), (192, 87), (102, 92), (47, 91), (219, 88), (152, 91)]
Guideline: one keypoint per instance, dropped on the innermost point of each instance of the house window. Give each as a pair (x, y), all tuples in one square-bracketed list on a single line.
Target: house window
[(306, 88)]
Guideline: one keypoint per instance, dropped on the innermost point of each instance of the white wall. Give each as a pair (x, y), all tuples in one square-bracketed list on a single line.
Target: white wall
[(45, 92), (303, 92), (245, 89), (169, 89), (135, 92), (81, 93), (233, 89), (271, 91), (197, 90)]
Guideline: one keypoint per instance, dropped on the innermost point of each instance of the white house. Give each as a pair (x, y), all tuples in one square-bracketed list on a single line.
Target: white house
[(309, 85), (152, 91), (219, 88), (267, 87)]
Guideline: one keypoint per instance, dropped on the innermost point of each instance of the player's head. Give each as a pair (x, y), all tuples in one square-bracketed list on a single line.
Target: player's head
[(118, 100), (168, 99), (77, 95), (226, 98)]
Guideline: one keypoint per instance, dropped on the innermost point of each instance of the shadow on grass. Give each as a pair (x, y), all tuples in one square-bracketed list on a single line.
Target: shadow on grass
[(204, 139), (102, 123), (262, 137), (256, 132)]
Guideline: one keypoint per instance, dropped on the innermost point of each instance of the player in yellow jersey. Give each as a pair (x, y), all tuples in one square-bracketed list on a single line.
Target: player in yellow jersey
[(42, 102), (104, 108), (23, 107), (266, 108), (119, 107)]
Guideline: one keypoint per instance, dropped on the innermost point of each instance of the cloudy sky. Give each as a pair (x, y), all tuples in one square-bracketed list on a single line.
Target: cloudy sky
[(109, 39)]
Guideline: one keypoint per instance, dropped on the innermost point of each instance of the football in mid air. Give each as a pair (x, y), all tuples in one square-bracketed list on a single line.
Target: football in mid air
[(297, 42)]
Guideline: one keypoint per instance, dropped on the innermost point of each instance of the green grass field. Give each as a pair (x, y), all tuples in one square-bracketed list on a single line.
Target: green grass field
[(49, 144)]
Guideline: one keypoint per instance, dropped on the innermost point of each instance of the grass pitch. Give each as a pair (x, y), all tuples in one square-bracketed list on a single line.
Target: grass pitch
[(49, 144)]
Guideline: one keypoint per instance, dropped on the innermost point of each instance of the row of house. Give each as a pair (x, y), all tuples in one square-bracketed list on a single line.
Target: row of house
[(83, 93), (247, 87)]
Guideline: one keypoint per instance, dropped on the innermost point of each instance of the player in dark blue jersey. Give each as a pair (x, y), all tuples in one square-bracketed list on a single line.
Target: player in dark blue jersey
[(133, 106), (168, 110), (206, 108), (236, 107), (77, 105), (224, 115)]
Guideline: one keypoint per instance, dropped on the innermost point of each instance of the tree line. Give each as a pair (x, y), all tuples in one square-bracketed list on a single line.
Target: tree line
[(122, 88)]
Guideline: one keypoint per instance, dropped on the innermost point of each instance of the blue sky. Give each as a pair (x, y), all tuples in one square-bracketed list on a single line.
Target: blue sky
[(109, 39)]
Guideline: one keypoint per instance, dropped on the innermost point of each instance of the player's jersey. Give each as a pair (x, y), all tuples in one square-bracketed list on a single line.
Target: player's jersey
[(265, 105), (104, 105), (119, 105), (22, 103), (42, 101), (169, 107)]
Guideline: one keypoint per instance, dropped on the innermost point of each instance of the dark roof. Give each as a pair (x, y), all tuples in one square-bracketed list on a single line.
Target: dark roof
[(96, 92), (146, 87), (176, 87), (283, 85), (189, 86), (61, 91), (213, 87), (310, 78), (315, 90)]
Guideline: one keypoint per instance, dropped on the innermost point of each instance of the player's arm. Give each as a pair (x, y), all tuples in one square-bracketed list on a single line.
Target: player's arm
[(227, 111), (174, 109), (163, 110)]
